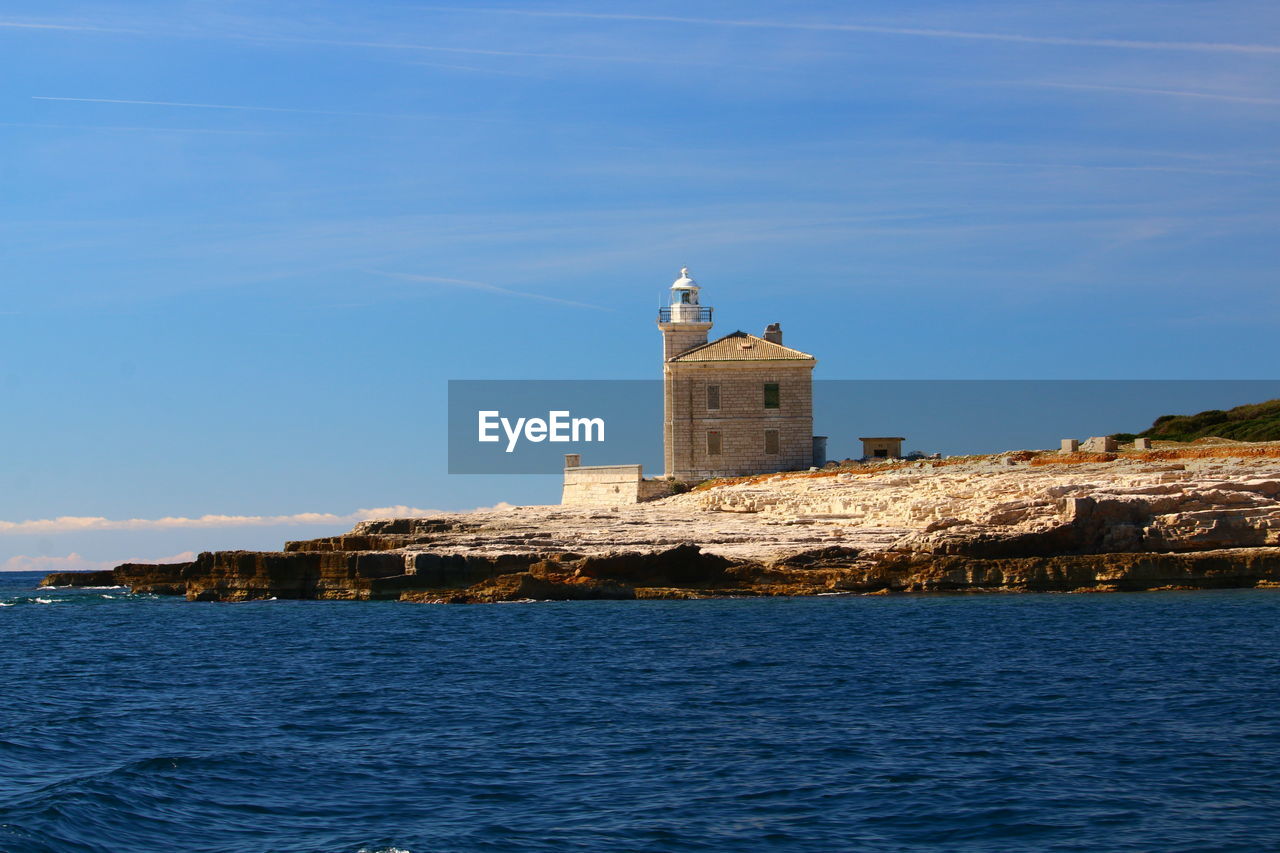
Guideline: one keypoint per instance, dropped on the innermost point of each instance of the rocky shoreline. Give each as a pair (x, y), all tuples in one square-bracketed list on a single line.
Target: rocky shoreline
[(1017, 522)]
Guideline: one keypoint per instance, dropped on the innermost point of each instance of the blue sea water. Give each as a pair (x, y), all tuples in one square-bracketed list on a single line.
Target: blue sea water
[(1123, 722)]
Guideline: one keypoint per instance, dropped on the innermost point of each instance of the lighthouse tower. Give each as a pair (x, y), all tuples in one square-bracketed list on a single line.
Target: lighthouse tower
[(737, 405), (684, 322)]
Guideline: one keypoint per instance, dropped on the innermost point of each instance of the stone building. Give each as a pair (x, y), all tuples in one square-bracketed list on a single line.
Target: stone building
[(882, 446), (737, 405)]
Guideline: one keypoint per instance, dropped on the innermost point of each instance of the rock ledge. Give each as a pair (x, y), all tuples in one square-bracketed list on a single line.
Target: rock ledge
[(1012, 522)]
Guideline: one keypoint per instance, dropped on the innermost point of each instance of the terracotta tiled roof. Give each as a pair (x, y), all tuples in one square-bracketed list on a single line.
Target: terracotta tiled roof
[(740, 346)]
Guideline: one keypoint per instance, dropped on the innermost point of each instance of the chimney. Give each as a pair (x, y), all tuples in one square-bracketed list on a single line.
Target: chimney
[(773, 333)]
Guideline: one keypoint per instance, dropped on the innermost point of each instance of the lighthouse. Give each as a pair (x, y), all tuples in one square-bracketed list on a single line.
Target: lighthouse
[(740, 404), (684, 321)]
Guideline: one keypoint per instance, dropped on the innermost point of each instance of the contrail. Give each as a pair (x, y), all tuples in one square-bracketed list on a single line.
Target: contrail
[(1129, 44), (138, 129), (488, 288), (23, 25), (243, 107), (477, 51), (920, 32), (1174, 93), (381, 45)]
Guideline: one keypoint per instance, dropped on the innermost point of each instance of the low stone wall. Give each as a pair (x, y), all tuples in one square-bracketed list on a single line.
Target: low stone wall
[(610, 485)]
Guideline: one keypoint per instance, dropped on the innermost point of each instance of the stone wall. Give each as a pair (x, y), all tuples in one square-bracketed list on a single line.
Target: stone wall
[(741, 419), (610, 485)]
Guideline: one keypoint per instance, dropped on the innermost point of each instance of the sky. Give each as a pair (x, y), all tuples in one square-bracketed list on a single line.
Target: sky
[(245, 245)]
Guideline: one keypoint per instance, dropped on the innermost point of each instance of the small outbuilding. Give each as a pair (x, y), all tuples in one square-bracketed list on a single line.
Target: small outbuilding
[(882, 447)]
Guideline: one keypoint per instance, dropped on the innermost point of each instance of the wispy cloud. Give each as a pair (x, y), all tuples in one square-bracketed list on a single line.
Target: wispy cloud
[(79, 524), (647, 59), (475, 69), (1171, 93), (74, 562), (1113, 167), (684, 20), (923, 32), (90, 28), (488, 288), (140, 129), (248, 107)]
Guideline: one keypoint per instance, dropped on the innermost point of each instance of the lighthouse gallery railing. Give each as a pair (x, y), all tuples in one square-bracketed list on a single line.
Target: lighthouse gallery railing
[(685, 314)]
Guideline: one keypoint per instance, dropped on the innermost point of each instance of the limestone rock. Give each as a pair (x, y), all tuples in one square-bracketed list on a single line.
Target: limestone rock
[(102, 578), (1044, 522), (528, 586)]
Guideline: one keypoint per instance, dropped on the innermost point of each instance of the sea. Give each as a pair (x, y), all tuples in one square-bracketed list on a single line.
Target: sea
[(998, 722)]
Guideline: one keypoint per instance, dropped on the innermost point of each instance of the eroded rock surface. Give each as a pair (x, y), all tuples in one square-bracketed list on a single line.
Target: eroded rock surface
[(1009, 522)]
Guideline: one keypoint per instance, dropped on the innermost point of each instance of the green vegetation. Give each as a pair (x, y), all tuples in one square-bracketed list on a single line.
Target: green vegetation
[(1254, 422)]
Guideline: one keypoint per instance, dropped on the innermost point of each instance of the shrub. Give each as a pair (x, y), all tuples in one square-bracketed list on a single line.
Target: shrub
[(1250, 422)]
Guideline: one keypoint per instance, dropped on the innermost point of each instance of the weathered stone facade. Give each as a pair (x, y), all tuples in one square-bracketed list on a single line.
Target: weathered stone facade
[(609, 485), (682, 337), (702, 442)]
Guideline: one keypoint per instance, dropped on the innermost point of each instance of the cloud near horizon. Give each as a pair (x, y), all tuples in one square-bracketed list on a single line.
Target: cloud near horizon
[(73, 562), (77, 524)]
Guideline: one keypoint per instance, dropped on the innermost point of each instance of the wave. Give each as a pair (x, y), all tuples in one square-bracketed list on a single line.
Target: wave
[(13, 602), (70, 586), (829, 725), (81, 596)]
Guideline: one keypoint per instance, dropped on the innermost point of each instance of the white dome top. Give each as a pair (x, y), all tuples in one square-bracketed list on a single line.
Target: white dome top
[(684, 282)]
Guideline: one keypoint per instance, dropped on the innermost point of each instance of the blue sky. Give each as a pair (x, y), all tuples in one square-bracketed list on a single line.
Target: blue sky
[(243, 246)]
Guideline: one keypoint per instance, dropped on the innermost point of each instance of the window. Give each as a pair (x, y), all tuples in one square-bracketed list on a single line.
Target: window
[(713, 442), (771, 441), (772, 399), (684, 297), (880, 453), (713, 397)]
